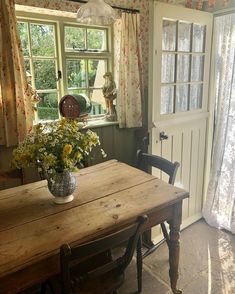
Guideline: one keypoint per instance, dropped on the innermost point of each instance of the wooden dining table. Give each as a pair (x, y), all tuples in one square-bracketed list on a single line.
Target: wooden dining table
[(109, 196)]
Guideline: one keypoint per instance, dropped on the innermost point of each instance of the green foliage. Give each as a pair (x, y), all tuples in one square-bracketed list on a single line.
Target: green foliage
[(47, 113)]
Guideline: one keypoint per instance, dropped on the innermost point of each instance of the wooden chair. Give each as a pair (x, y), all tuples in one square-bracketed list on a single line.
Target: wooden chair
[(10, 175), (104, 279), (144, 162)]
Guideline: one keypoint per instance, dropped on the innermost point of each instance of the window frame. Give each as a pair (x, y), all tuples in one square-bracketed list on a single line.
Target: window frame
[(60, 22)]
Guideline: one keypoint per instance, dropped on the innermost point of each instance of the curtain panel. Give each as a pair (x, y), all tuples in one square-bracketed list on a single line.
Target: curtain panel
[(16, 113), (219, 209), (128, 70)]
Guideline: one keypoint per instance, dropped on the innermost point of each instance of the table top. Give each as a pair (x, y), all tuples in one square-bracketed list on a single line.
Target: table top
[(109, 196)]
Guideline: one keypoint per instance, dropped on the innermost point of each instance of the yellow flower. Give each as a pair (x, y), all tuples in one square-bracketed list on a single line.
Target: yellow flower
[(67, 149), (78, 156)]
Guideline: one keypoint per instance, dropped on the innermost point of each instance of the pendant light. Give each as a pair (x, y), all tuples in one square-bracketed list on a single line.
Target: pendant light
[(96, 12)]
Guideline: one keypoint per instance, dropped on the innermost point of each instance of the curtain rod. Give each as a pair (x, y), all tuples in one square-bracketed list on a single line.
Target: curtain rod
[(130, 10)]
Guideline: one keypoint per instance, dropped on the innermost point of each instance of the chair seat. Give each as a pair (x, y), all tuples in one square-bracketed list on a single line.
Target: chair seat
[(102, 285)]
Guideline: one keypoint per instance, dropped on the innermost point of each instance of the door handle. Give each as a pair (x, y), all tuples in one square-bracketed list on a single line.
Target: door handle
[(163, 136)]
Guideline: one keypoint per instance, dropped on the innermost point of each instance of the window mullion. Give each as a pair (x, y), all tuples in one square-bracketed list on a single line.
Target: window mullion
[(190, 66), (176, 66), (31, 55)]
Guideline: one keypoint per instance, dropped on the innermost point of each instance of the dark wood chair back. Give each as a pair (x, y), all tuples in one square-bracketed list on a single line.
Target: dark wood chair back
[(68, 255), (145, 161)]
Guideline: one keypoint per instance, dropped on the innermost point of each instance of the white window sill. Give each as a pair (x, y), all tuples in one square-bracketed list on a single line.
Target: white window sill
[(101, 122), (91, 123)]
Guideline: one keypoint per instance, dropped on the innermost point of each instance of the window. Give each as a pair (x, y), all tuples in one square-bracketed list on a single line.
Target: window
[(41, 62), (65, 58), (183, 52)]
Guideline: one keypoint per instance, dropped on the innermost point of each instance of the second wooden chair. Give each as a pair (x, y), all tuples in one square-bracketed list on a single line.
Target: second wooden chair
[(144, 162)]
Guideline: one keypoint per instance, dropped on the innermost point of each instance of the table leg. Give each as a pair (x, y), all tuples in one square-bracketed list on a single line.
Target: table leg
[(174, 248)]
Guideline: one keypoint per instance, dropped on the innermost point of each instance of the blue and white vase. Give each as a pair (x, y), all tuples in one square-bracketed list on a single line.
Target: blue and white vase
[(62, 185)]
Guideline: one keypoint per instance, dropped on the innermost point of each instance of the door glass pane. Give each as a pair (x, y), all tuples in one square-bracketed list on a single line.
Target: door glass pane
[(169, 35), (197, 68), (167, 98), (42, 40), (96, 70), (48, 106), (181, 98), (195, 96), (74, 38), (22, 27), (198, 38), (184, 36), (76, 74), (183, 68), (45, 74), (168, 68), (96, 39)]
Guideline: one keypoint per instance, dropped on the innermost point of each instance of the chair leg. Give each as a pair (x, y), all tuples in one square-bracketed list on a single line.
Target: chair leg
[(43, 288), (165, 234), (147, 239), (139, 264)]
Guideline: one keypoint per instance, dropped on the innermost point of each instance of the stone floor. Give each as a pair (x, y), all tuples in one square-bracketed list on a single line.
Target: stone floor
[(207, 264)]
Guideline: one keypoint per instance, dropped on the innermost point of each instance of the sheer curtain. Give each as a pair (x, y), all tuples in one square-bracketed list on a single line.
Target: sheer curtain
[(16, 113), (219, 209), (128, 70)]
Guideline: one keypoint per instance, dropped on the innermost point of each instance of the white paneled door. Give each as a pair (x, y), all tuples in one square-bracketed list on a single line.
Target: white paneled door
[(179, 103)]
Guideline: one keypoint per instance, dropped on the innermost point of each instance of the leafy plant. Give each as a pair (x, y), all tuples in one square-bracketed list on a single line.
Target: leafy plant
[(56, 147)]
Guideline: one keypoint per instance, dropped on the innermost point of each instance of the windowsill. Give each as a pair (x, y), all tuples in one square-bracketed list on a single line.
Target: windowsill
[(96, 123), (90, 124)]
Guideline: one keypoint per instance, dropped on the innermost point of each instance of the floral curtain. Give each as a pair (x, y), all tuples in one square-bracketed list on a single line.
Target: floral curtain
[(128, 70), (219, 210), (16, 114)]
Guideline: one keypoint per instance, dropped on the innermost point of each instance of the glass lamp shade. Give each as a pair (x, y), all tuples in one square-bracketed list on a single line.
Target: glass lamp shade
[(96, 12)]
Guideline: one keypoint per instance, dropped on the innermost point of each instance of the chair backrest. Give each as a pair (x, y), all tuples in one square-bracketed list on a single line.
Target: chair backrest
[(69, 256), (145, 160)]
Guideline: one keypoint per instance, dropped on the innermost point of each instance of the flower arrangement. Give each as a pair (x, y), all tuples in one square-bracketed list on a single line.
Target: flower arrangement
[(56, 147)]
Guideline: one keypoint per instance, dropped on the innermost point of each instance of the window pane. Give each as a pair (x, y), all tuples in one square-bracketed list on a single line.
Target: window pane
[(22, 26), (74, 38), (27, 65), (197, 68), (48, 106), (98, 102), (195, 96), (76, 73), (183, 68), (169, 35), (181, 98), (96, 70), (43, 40), (198, 38), (184, 36), (167, 98), (45, 74), (77, 91), (168, 68), (96, 39)]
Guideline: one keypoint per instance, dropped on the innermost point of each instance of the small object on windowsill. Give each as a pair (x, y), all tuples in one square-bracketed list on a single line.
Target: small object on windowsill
[(75, 106), (110, 94)]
